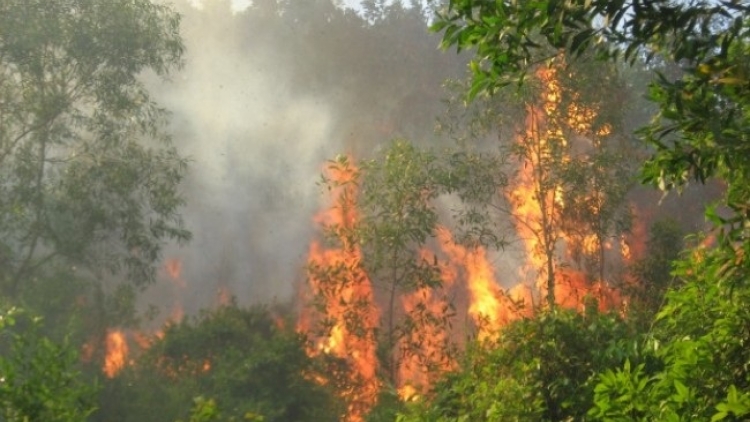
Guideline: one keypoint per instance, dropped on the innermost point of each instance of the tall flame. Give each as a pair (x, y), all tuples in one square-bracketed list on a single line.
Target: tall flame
[(338, 282), (534, 198), (426, 348), (173, 268), (537, 201), (342, 292)]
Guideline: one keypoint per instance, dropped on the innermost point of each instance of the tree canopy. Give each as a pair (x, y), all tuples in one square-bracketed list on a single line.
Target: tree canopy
[(700, 130), (89, 176), (690, 365)]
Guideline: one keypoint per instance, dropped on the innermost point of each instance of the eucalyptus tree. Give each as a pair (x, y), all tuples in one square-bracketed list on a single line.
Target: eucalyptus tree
[(88, 175)]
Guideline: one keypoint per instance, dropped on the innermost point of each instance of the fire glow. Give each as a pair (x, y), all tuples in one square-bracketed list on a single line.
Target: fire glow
[(341, 315), (116, 353)]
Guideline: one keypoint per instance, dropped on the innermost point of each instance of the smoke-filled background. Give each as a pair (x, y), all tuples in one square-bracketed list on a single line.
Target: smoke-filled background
[(267, 94)]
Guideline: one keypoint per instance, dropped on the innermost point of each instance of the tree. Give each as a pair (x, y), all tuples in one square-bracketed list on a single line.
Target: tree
[(400, 189), (89, 177), (595, 212), (572, 173), (385, 215), (398, 200), (692, 365), (699, 129), (695, 366)]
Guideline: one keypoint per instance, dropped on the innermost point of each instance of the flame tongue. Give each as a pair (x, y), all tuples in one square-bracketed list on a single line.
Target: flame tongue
[(340, 285), (537, 198), (117, 353), (488, 307)]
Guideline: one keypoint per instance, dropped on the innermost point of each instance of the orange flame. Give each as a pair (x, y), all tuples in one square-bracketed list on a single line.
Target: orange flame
[(535, 206), (223, 296), (177, 314), (117, 353), (537, 203), (350, 317), (489, 308), (424, 349), (87, 351), (341, 289)]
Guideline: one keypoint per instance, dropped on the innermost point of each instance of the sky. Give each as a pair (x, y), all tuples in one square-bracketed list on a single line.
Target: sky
[(239, 5)]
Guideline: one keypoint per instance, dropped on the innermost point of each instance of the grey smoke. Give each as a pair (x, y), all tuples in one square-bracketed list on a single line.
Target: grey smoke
[(258, 144)]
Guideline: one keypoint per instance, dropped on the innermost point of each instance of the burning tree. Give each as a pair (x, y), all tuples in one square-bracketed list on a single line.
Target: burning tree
[(569, 194), (401, 220), (695, 362), (565, 199), (377, 286), (535, 198), (398, 196)]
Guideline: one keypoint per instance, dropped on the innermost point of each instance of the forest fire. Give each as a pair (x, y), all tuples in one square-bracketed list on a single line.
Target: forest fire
[(121, 345), (341, 312), (537, 200), (173, 268), (338, 282), (524, 216)]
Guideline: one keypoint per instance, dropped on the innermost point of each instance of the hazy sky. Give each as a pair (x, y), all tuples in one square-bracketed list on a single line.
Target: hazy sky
[(238, 5)]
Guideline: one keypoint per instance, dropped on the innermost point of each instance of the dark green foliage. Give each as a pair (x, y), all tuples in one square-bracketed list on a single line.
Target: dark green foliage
[(694, 365), (652, 274), (38, 379), (541, 369), (237, 357), (509, 36)]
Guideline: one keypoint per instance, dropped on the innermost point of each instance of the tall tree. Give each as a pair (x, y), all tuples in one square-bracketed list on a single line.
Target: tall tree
[(89, 177), (699, 132), (699, 129), (401, 214)]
